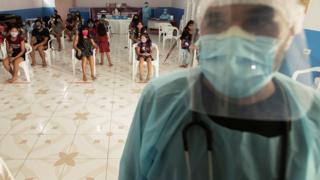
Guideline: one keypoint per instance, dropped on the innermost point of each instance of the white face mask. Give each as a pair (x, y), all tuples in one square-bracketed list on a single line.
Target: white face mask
[(144, 40), (14, 34)]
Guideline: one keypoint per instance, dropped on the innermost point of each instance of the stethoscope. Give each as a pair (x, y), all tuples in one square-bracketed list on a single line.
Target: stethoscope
[(197, 122)]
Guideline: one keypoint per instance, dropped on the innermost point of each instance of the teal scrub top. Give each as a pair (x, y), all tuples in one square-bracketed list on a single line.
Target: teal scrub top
[(154, 148)]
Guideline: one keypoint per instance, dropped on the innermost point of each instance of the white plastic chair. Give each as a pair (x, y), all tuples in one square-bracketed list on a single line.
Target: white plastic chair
[(130, 50), (75, 61), (25, 65), (162, 27), (169, 34), (306, 71), (49, 52), (155, 62), (63, 44)]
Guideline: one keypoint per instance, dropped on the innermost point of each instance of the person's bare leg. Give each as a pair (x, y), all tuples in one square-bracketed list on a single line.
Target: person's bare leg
[(109, 59), (33, 56), (141, 64), (91, 61), (15, 70), (102, 58), (7, 66), (84, 63), (150, 69), (42, 55)]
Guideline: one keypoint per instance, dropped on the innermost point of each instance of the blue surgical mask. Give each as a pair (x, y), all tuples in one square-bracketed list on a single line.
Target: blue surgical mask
[(237, 67)]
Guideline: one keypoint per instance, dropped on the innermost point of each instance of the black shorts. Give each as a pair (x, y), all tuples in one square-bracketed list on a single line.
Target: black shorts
[(145, 58)]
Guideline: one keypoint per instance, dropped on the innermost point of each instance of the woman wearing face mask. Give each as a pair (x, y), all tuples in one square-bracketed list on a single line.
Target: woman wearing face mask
[(104, 45), (70, 26), (84, 45), (92, 30), (16, 53), (57, 28), (234, 117), (186, 42), (39, 42), (138, 31), (144, 52)]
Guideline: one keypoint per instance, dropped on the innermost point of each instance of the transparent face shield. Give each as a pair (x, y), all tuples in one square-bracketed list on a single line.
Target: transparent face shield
[(241, 47)]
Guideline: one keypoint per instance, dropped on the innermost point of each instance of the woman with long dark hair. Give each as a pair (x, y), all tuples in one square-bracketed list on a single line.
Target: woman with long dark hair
[(186, 39), (104, 45), (144, 52), (84, 46), (137, 32), (16, 52)]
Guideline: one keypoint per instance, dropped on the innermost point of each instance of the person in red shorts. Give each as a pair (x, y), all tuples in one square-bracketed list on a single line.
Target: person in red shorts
[(104, 46)]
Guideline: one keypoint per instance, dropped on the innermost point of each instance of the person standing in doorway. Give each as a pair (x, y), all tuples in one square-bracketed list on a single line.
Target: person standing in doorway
[(146, 14)]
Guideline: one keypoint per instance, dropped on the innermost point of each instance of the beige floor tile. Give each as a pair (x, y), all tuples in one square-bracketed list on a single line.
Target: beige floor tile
[(116, 145), (49, 146), (40, 170), (15, 147), (86, 169), (63, 126), (90, 146), (97, 126), (113, 169), (14, 166), (32, 126)]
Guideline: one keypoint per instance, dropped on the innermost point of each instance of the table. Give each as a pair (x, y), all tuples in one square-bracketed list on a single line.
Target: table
[(154, 23), (119, 26)]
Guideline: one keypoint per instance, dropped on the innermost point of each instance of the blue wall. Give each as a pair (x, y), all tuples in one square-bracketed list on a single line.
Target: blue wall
[(31, 13), (295, 60)]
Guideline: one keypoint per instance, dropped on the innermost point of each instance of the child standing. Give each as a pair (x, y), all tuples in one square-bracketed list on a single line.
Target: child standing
[(186, 39), (144, 52), (104, 46), (84, 45)]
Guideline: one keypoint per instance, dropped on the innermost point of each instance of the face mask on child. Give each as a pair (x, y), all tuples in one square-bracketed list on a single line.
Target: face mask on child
[(14, 34), (85, 33), (144, 40)]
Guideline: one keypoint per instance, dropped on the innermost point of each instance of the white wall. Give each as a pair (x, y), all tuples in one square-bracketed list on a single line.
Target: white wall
[(312, 21), (179, 3), (6, 5), (136, 3)]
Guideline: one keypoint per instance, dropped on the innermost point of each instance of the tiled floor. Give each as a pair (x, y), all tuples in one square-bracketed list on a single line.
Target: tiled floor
[(59, 128)]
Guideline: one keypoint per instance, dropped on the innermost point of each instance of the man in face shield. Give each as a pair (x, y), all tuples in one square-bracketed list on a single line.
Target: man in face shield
[(234, 116)]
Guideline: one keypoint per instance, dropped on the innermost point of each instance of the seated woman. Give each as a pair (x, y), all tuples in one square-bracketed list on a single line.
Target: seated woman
[(186, 39), (57, 29), (84, 45), (16, 53), (144, 52), (137, 32), (39, 42)]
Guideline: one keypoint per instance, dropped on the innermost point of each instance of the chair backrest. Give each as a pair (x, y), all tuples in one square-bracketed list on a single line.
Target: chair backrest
[(162, 26), (170, 32)]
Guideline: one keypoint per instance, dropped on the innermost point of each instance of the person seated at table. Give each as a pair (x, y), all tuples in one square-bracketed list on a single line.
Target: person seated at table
[(70, 26), (39, 42), (144, 53), (165, 15), (104, 45), (84, 46), (116, 12), (57, 29), (138, 31), (16, 53)]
